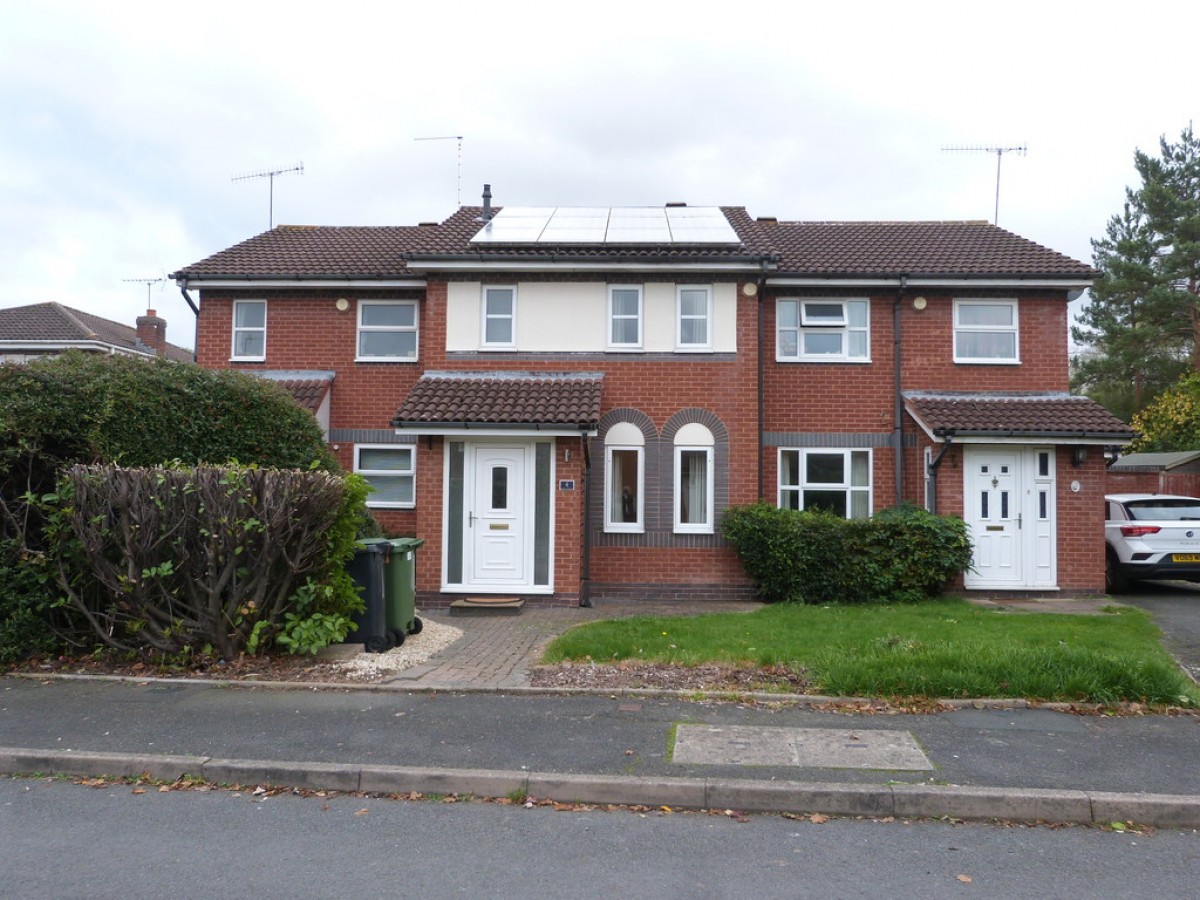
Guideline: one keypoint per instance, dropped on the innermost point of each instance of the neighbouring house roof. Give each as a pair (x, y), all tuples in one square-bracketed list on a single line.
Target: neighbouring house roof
[(1154, 462), (792, 249), (499, 399), (52, 327), (1043, 416)]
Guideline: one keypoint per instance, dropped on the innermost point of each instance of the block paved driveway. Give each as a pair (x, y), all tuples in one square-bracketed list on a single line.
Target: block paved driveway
[(497, 651)]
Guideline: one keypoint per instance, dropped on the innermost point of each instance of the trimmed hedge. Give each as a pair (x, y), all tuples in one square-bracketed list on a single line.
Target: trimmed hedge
[(88, 408), (899, 555)]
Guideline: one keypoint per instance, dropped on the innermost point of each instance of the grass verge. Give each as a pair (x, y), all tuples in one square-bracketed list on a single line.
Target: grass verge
[(944, 649)]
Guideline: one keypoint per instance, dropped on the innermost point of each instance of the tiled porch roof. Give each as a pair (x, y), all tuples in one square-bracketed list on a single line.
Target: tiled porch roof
[(308, 392), (498, 399), (1031, 415)]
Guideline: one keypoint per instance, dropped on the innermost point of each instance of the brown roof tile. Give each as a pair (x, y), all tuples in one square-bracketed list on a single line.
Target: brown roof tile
[(1017, 415), (503, 398), (829, 249), (912, 248), (308, 392)]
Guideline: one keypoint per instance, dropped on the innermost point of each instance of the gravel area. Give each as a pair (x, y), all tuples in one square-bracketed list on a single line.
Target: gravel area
[(416, 649)]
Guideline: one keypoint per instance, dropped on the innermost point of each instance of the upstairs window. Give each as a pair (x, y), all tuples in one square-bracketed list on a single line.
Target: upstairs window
[(693, 306), (387, 330), (985, 331), (837, 481), (822, 330), (249, 330), (499, 316), (624, 317), (390, 470)]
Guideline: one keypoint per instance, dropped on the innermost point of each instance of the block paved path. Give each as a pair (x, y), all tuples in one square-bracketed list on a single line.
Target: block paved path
[(498, 650)]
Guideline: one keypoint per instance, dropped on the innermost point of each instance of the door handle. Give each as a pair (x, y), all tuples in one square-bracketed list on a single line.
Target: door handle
[(470, 519)]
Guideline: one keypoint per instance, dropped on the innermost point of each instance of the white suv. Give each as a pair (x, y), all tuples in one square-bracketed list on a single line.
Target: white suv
[(1151, 536)]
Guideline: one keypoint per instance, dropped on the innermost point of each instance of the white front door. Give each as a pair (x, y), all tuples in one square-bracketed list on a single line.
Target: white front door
[(496, 516), (1008, 504)]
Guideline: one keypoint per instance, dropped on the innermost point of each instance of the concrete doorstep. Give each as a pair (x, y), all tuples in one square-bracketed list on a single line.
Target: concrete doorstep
[(1073, 807)]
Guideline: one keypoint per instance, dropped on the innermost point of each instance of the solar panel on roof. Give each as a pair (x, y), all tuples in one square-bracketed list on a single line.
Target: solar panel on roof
[(607, 225)]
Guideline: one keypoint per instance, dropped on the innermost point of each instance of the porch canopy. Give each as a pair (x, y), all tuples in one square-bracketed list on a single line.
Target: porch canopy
[(546, 403), (1019, 417)]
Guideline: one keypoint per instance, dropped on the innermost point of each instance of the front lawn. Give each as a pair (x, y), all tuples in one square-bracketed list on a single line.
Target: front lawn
[(943, 648)]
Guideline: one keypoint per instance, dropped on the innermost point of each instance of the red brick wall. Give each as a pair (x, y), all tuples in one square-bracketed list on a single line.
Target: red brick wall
[(306, 331)]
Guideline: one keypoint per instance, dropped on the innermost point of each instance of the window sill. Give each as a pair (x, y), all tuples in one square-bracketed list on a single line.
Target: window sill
[(817, 360), (391, 505), (679, 529), (694, 350), (385, 359), (246, 359), (987, 362), (609, 529)]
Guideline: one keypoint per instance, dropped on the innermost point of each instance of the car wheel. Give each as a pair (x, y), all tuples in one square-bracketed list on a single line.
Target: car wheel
[(1114, 581)]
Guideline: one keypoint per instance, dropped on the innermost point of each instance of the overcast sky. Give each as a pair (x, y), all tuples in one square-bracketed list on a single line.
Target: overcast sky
[(124, 123)]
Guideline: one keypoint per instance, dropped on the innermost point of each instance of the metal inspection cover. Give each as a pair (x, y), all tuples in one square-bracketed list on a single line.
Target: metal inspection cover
[(824, 748)]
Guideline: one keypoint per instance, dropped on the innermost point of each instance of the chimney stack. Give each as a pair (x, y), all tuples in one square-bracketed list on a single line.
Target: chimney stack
[(487, 203), (152, 331)]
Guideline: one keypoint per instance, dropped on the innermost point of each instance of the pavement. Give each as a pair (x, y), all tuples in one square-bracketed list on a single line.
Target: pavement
[(467, 722)]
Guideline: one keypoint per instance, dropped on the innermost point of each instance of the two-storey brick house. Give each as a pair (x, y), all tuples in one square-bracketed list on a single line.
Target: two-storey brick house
[(562, 402)]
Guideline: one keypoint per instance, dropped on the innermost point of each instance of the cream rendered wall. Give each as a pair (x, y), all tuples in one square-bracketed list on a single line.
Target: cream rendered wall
[(572, 317)]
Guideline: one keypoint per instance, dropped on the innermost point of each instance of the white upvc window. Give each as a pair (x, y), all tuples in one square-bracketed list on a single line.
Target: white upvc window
[(391, 470), (693, 318), (694, 480), (838, 481), (624, 317), (499, 316), (624, 479), (387, 330), (822, 330), (986, 331), (249, 331)]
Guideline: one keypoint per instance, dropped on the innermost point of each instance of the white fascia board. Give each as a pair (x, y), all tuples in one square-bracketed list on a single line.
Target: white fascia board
[(1026, 283), (249, 284), (46, 346), (480, 433), (1025, 440), (548, 266)]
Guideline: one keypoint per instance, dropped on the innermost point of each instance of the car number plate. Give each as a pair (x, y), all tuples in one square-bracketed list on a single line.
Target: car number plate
[(1185, 557)]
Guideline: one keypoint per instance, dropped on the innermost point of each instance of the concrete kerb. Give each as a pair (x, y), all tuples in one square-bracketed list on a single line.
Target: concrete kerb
[(900, 801)]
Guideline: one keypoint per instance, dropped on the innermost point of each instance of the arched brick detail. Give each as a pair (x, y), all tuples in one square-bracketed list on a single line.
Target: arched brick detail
[(700, 417), (633, 417)]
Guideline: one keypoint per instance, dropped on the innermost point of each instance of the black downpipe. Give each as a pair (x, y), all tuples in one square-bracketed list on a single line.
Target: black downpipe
[(932, 469), (762, 285), (585, 577), (898, 435), (195, 312)]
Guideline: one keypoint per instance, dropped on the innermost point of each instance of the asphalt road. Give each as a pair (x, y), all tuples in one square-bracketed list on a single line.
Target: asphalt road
[(64, 840)]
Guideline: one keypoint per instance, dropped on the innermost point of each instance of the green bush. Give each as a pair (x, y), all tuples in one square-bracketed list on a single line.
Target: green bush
[(26, 626), (901, 554), (87, 408)]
